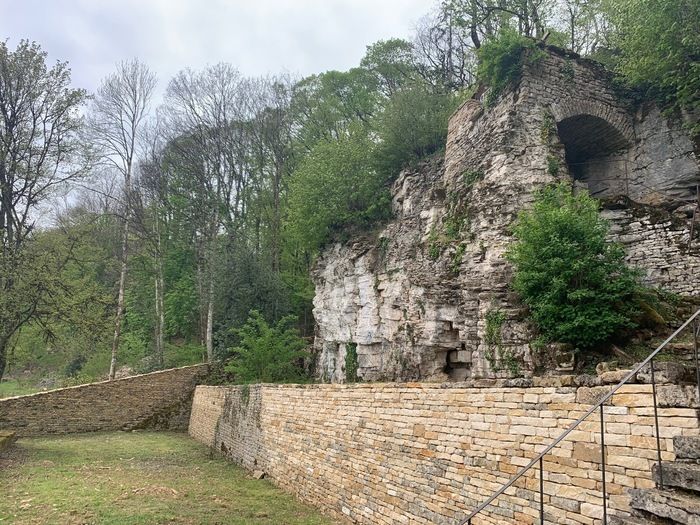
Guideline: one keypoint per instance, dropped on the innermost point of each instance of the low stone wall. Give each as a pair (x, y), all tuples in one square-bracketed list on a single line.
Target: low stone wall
[(157, 400), (428, 453)]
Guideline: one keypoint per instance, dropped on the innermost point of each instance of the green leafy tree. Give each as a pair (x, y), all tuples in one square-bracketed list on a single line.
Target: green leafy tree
[(326, 107), (268, 354), (659, 48), (392, 64), (573, 279), (412, 126), (39, 152), (335, 190)]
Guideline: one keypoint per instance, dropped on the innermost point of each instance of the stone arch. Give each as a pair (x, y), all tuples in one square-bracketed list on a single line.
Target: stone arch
[(618, 118), (596, 140)]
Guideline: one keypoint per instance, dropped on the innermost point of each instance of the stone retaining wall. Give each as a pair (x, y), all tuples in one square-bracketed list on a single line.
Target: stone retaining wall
[(424, 453), (157, 400)]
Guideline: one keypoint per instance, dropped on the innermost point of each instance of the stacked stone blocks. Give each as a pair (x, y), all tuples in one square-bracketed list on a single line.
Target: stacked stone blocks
[(430, 453), (157, 400)]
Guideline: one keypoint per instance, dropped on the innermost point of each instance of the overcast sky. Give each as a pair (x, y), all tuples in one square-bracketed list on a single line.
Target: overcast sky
[(257, 36)]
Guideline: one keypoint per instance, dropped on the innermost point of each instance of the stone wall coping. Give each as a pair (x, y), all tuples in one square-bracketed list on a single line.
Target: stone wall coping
[(76, 387), (571, 383)]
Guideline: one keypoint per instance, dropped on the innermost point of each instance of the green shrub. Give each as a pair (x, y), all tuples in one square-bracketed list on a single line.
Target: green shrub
[(268, 354), (412, 127), (471, 177), (552, 165), (574, 281), (351, 363), (501, 61), (335, 190)]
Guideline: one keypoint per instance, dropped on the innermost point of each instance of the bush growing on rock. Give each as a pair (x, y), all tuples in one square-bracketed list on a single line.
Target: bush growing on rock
[(575, 283)]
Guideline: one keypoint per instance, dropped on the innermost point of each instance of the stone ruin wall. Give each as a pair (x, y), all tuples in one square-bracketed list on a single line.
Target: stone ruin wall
[(424, 453), (414, 300), (159, 400)]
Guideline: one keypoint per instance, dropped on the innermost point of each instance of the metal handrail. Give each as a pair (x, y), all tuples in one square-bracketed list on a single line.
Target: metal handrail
[(599, 405)]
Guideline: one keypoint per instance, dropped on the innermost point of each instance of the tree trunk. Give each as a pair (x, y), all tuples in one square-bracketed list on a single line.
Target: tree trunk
[(160, 291), (158, 332), (3, 356), (120, 299), (210, 319)]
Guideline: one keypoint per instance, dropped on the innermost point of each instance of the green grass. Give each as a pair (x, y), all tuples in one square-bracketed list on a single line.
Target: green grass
[(136, 478), (13, 387)]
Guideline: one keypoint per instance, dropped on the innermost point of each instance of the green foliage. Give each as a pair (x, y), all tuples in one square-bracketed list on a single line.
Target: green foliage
[(548, 128), (658, 42), (494, 323), (435, 244), (498, 357), (449, 231), (553, 165), (568, 70), (412, 126), (335, 190), (351, 363), (501, 61), (471, 177), (392, 64), (326, 107), (574, 281), (457, 257), (268, 354)]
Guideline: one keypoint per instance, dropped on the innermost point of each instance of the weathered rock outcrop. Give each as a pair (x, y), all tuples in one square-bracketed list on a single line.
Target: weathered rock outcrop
[(428, 297)]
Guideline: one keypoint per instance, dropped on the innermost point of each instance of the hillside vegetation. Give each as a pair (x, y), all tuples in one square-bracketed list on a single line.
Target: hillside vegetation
[(181, 222)]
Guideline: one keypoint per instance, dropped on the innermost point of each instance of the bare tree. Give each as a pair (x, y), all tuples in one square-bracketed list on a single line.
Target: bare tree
[(39, 120), (116, 118), (444, 52), (207, 115), (150, 216)]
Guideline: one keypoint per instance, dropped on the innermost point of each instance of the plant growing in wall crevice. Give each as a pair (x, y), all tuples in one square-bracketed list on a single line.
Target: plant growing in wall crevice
[(351, 363), (471, 177), (553, 165), (501, 61), (498, 357), (548, 128), (492, 336)]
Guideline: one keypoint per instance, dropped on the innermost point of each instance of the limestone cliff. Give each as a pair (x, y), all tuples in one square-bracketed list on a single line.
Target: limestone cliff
[(428, 297)]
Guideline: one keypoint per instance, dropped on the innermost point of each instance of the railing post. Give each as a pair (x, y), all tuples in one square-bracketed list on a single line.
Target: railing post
[(656, 424), (694, 321), (602, 463), (541, 492), (696, 329)]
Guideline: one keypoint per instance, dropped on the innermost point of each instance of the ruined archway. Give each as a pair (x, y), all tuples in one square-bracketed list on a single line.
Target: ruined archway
[(596, 153)]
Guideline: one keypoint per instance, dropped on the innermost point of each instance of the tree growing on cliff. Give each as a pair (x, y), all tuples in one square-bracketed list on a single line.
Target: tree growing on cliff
[(573, 279), (39, 151), (659, 46)]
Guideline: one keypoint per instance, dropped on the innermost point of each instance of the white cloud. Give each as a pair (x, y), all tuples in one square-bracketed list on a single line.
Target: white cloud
[(257, 36)]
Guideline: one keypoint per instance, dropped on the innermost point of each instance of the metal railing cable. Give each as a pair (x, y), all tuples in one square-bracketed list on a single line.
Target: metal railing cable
[(538, 459)]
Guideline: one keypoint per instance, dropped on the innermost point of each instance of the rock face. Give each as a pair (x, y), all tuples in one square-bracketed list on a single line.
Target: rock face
[(428, 296)]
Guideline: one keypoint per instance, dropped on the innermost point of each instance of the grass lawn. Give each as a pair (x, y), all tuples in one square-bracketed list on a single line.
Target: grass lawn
[(13, 387), (136, 478)]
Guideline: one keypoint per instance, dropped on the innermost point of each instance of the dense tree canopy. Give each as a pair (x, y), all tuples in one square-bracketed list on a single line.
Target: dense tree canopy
[(225, 195)]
